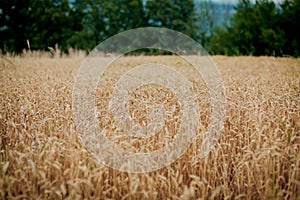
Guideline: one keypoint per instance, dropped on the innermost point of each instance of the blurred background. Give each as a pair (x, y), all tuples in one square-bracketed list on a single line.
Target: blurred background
[(236, 27)]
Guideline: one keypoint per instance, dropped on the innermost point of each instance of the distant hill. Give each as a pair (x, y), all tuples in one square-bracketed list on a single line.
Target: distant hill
[(220, 11)]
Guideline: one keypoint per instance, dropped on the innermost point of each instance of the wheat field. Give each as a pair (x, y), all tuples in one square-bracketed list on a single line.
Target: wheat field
[(257, 155)]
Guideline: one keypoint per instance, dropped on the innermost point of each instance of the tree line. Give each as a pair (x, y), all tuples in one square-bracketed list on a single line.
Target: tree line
[(256, 28)]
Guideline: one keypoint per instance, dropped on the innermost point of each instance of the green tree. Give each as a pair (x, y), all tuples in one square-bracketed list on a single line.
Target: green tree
[(290, 24), (14, 23), (92, 17), (37, 24), (205, 20), (104, 18), (123, 15), (263, 28), (54, 22), (174, 14)]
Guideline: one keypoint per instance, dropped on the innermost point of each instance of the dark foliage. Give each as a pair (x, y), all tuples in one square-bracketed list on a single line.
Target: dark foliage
[(260, 28)]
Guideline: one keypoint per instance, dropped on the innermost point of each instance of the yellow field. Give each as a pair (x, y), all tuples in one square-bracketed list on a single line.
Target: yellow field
[(257, 155)]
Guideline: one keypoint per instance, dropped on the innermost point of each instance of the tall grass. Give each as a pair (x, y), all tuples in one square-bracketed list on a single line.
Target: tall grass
[(256, 157)]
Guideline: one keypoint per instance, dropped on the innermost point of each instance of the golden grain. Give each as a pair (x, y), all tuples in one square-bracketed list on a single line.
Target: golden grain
[(256, 157)]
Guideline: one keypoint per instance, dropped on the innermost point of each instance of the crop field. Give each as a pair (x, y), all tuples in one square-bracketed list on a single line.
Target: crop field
[(257, 156)]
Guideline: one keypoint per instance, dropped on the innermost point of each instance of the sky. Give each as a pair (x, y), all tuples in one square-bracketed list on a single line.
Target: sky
[(235, 1)]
